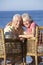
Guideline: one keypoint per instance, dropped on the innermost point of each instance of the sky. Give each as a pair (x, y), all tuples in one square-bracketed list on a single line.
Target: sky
[(12, 5)]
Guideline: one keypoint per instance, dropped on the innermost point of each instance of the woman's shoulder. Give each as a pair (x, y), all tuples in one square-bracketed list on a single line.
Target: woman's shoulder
[(33, 24), (9, 23)]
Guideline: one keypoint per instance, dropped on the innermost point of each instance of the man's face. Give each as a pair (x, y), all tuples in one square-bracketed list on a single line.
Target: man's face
[(16, 22)]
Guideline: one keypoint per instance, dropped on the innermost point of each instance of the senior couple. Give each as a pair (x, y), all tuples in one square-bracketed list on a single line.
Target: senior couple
[(21, 27)]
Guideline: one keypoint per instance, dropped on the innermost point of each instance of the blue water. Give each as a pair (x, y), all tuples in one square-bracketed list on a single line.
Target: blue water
[(6, 16)]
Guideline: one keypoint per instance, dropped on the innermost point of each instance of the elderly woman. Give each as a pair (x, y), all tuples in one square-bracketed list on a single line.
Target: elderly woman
[(30, 26), (30, 32), (15, 26), (17, 23)]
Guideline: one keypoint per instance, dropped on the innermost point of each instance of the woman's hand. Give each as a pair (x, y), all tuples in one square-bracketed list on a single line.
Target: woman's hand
[(21, 36)]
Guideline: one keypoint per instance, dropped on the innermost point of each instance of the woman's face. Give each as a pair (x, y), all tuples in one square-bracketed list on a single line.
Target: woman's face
[(17, 22), (26, 23)]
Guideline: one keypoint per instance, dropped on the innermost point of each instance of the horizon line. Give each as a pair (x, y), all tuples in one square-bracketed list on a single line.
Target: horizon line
[(21, 10)]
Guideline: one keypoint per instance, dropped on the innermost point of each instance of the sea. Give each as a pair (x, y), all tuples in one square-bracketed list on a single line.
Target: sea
[(6, 16)]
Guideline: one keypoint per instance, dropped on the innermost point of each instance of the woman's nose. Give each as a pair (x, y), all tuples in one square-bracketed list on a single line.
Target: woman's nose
[(18, 23)]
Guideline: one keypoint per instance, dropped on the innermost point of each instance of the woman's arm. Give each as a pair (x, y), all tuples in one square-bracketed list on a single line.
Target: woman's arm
[(25, 36), (32, 34)]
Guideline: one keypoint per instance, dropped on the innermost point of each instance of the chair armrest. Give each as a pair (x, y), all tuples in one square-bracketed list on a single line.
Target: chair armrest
[(33, 38)]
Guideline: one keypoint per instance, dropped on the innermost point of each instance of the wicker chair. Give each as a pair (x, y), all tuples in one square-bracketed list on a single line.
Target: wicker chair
[(10, 48), (33, 45), (2, 46)]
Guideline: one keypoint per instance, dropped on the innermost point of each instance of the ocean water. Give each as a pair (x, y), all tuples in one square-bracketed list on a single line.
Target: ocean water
[(6, 16)]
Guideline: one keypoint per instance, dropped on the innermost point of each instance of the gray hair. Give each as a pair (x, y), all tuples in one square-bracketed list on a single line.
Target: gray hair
[(27, 16), (16, 15)]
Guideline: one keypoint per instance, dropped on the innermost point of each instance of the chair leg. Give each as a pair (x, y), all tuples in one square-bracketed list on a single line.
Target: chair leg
[(36, 60), (5, 60), (24, 61)]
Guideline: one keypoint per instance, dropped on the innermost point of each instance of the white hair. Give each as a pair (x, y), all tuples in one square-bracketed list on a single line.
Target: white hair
[(16, 15), (26, 16)]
